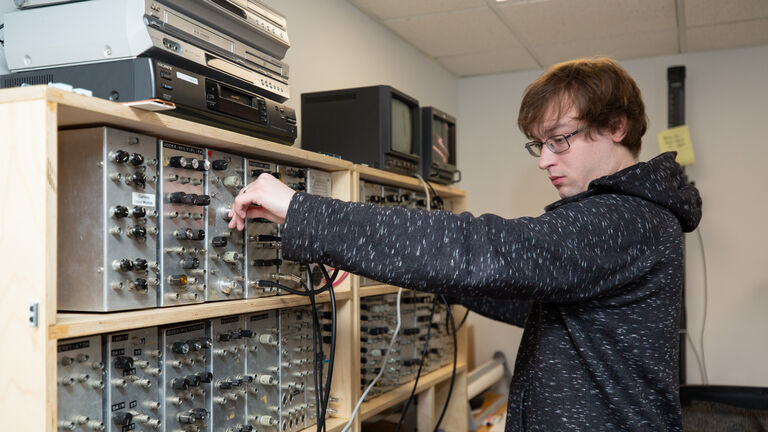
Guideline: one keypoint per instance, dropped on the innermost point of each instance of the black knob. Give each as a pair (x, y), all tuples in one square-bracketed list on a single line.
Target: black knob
[(140, 264), (237, 382), (299, 186), (299, 173), (177, 197), (190, 263), (206, 343), (181, 162), (193, 380), (196, 234), (180, 347), (125, 265), (190, 199), (194, 345), (139, 179), (186, 418), (203, 165), (178, 280), (122, 418), (123, 362), (220, 164), (225, 385), (137, 231), (199, 413), (246, 333), (136, 159), (205, 377), (249, 378), (203, 200), (247, 428), (225, 337), (119, 211), (180, 383), (219, 241), (119, 156), (139, 212), (140, 284)]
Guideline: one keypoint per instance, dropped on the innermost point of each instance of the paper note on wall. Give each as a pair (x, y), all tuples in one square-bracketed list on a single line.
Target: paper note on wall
[(677, 139)]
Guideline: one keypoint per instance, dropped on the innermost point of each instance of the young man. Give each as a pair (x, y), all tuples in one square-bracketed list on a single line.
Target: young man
[(596, 279)]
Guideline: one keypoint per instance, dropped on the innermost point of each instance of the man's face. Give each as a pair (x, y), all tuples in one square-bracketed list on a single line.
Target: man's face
[(587, 159)]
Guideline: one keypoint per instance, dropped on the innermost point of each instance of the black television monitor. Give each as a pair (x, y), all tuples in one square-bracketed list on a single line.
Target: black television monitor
[(438, 142), (378, 126)]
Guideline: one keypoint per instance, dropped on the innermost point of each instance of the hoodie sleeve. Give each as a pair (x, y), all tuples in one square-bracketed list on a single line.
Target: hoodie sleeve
[(579, 251), (510, 311)]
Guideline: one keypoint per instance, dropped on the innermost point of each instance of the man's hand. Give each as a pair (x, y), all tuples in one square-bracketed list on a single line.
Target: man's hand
[(266, 197)]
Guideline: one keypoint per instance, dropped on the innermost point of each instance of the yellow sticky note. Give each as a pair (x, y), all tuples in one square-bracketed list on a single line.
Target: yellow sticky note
[(677, 139)]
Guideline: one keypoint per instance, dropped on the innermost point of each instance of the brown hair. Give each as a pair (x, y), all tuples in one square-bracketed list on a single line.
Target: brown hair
[(600, 90)]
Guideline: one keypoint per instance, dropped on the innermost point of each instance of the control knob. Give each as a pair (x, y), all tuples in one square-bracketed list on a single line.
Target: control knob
[(220, 164), (180, 347), (136, 159), (202, 200), (203, 165), (119, 211), (138, 212), (182, 162), (137, 232), (122, 418), (122, 265), (119, 156)]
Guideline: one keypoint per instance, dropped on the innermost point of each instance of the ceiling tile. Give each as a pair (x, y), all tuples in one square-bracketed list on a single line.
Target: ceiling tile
[(559, 21), (618, 47), (385, 9), (721, 36), (453, 33), (489, 62), (707, 12)]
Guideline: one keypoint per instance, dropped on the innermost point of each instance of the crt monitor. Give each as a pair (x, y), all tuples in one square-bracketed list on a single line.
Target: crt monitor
[(438, 146), (378, 126)]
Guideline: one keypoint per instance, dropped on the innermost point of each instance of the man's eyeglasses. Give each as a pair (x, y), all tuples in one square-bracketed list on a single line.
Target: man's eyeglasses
[(555, 144)]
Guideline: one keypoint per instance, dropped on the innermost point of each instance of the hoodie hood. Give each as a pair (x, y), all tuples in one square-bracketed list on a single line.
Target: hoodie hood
[(660, 180)]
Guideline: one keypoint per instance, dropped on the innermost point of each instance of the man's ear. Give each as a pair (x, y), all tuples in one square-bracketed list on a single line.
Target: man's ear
[(619, 129)]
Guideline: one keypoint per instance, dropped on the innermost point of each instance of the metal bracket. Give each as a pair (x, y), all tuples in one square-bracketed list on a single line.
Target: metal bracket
[(33, 307)]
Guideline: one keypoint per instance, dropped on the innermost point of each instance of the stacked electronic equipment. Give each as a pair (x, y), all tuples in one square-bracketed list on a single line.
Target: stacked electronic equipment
[(381, 127), (378, 315), (230, 374), (218, 61), (143, 222), (378, 319)]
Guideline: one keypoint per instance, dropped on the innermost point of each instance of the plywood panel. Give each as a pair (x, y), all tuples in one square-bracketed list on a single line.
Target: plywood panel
[(28, 264)]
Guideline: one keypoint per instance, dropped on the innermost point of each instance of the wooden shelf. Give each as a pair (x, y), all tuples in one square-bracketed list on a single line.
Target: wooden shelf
[(400, 394), (373, 290), (69, 325), (77, 111), (30, 118), (399, 180)]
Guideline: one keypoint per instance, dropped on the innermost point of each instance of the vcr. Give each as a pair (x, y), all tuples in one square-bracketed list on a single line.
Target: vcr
[(211, 99)]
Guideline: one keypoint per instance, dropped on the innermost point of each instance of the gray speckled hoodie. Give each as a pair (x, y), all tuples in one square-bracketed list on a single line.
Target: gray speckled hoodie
[(599, 275)]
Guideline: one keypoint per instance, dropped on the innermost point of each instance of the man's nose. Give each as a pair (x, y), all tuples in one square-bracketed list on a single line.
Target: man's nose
[(547, 158)]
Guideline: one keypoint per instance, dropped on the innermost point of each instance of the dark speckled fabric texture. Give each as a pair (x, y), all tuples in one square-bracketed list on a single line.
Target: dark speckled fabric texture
[(599, 273)]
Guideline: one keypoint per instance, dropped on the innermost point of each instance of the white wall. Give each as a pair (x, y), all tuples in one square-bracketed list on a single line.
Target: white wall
[(334, 45), (726, 96)]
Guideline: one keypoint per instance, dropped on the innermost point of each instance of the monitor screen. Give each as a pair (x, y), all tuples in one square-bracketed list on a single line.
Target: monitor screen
[(441, 142), (402, 127)]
